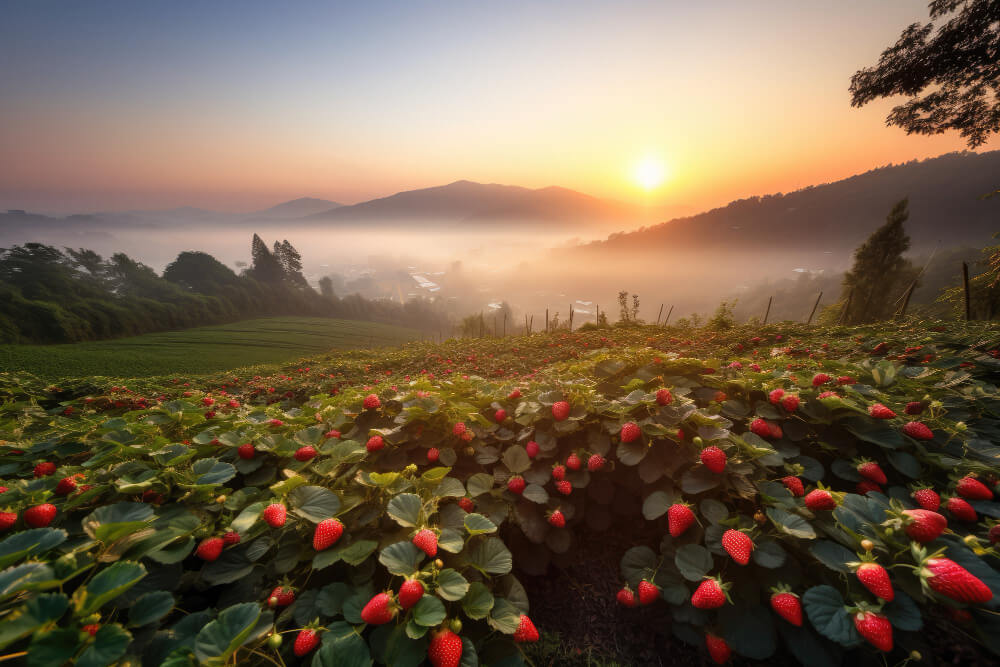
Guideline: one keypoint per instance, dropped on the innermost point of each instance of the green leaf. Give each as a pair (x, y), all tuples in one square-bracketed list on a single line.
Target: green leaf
[(32, 615), (479, 484), (450, 488), (20, 546), (232, 565), (656, 505), (342, 647), (693, 561), (403, 651), (107, 585), (833, 555), (429, 611), (504, 617), (248, 517), (150, 607), (905, 463), (698, 480), (638, 563), (478, 602), (491, 556), (314, 503), (536, 493), (749, 630), (632, 453), (331, 597), (477, 524), (54, 647), (769, 554), (452, 586), (826, 611), (451, 540), (791, 524), (401, 558), (355, 553), (516, 459), (26, 576), (112, 522), (110, 643), (218, 640), (713, 510), (212, 471), (904, 613), (405, 509)]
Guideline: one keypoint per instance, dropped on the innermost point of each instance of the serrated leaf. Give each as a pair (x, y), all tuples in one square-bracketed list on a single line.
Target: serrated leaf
[(314, 503), (404, 509)]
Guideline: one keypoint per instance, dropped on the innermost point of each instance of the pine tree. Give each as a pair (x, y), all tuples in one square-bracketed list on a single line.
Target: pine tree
[(266, 267), (880, 273), (291, 262)]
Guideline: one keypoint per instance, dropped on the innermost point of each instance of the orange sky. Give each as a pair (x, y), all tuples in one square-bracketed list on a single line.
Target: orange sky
[(121, 106)]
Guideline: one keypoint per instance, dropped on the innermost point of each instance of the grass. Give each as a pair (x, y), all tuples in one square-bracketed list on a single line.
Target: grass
[(203, 349)]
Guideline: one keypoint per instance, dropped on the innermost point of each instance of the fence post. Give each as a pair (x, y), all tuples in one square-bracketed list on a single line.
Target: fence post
[(597, 316), (482, 324), (505, 323), (815, 305), (968, 300), (546, 320), (531, 323), (571, 317), (669, 312), (847, 306), (659, 314), (906, 298), (768, 311)]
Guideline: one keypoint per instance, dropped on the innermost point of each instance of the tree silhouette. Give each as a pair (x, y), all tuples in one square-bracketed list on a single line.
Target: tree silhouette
[(880, 272), (265, 267), (958, 65)]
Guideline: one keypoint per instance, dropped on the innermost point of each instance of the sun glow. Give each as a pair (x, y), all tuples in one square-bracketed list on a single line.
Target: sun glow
[(649, 173)]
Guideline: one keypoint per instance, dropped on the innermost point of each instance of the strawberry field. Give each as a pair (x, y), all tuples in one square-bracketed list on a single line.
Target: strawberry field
[(781, 493)]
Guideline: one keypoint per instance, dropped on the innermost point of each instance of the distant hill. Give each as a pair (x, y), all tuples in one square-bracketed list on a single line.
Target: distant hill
[(297, 208), (946, 205), (471, 203)]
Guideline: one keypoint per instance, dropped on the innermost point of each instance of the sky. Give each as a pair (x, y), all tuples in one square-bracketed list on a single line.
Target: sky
[(240, 105)]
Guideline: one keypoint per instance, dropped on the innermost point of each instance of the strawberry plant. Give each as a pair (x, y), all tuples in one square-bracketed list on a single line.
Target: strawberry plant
[(381, 507)]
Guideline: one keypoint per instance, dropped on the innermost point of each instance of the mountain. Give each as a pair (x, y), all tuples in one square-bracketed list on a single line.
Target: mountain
[(946, 203), (296, 208), (468, 203)]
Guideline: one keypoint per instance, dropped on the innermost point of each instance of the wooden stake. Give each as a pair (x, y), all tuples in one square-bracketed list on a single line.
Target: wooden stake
[(546, 320), (505, 323), (659, 314), (968, 300), (768, 311), (571, 317), (668, 315), (847, 306), (597, 317), (531, 324), (527, 331), (906, 298), (815, 305)]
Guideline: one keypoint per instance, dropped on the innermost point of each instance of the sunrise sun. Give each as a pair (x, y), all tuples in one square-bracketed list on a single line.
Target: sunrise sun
[(649, 173)]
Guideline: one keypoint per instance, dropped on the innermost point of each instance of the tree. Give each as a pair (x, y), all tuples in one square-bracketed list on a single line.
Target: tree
[(326, 288), (880, 273), (958, 67), (265, 267)]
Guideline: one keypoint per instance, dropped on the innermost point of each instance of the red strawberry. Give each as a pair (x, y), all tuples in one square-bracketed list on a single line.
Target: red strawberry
[(709, 595), (664, 397), (573, 462), (626, 597), (788, 606), (775, 396), (66, 486), (332, 434), (40, 516), (879, 411), (820, 499), (410, 592), (630, 432), (45, 468), (845, 379), (928, 499), (871, 471), (918, 431), (458, 429), (274, 515), (961, 509), (760, 427), (433, 454), (379, 610), (972, 489), (305, 642), (820, 379), (948, 578), (714, 459), (516, 484), (923, 525), (231, 538), (375, 443), (246, 450), (281, 596), (994, 533), (514, 395), (328, 531), (564, 487), (305, 453), (679, 519), (445, 649), (866, 486), (914, 408), (794, 484), (372, 402), (526, 631), (426, 540), (558, 472), (560, 411), (7, 519), (466, 504), (717, 648), (876, 628), (557, 519), (500, 415), (92, 628), (532, 448), (648, 592), (210, 548), (738, 545), (595, 462), (790, 402), (875, 578)]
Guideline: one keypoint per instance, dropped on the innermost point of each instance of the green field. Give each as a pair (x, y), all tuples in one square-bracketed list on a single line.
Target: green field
[(202, 350)]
